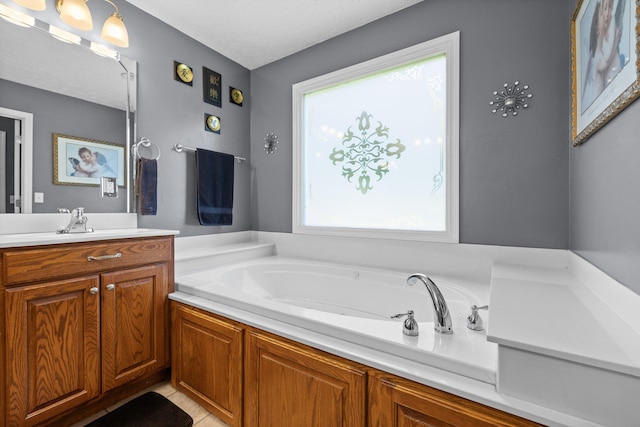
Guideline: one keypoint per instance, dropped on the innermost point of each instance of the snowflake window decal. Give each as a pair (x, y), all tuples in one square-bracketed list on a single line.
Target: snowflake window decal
[(511, 99), (365, 154)]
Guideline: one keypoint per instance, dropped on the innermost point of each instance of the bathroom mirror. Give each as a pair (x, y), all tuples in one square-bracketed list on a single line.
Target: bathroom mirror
[(69, 90)]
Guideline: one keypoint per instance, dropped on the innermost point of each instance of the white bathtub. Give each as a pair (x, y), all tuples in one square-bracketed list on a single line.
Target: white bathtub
[(353, 304)]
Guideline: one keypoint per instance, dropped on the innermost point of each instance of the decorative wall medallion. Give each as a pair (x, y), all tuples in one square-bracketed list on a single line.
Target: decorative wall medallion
[(511, 99), (212, 123), (365, 154), (183, 73), (270, 143), (235, 96), (211, 87)]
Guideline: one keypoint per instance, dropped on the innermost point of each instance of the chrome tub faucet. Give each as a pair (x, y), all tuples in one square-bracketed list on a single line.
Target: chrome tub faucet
[(441, 315)]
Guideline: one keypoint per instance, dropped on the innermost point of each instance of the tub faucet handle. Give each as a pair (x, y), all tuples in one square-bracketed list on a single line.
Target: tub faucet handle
[(410, 326), (474, 321)]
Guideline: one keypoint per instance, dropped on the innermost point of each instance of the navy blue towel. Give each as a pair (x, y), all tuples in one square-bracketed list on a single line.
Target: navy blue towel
[(148, 186), (215, 187)]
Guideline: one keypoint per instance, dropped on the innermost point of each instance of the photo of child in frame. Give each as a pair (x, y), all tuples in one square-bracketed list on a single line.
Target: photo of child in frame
[(603, 30)]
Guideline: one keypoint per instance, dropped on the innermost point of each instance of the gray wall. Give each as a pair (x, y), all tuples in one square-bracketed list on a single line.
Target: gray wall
[(51, 112), (170, 112), (518, 175), (605, 200), (514, 172)]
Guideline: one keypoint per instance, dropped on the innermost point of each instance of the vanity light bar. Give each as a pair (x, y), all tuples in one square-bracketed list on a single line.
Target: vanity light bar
[(24, 20), (102, 50), (64, 36), (16, 17)]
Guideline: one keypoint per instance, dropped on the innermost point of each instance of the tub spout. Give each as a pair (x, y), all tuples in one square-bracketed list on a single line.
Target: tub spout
[(441, 316)]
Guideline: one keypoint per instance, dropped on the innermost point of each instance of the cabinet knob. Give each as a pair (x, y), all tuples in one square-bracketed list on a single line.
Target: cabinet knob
[(111, 287), (94, 291)]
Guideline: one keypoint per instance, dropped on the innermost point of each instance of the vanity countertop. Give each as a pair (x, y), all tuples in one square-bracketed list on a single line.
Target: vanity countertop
[(52, 238)]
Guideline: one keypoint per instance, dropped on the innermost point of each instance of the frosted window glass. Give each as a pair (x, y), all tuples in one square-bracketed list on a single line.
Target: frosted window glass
[(375, 150), (390, 172)]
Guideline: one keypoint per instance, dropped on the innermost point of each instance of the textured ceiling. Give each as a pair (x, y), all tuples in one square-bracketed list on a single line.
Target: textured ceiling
[(256, 32)]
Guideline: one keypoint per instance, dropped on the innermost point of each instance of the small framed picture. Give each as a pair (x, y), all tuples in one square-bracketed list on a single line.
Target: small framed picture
[(182, 73), (83, 161), (212, 123), (211, 87), (235, 96)]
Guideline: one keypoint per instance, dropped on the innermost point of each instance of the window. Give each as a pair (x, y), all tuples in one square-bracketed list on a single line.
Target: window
[(375, 150)]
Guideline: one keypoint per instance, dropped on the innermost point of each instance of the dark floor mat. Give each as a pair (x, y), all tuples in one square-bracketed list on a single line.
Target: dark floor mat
[(149, 410)]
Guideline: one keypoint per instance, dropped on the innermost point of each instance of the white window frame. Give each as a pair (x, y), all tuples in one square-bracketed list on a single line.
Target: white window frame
[(450, 46)]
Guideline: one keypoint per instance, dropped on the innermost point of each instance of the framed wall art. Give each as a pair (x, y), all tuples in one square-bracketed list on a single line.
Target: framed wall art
[(212, 123), (82, 161), (605, 69), (236, 96), (182, 73), (211, 87)]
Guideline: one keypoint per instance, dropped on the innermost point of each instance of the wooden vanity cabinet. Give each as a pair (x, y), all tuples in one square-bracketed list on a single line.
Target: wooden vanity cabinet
[(76, 330), (207, 361), (288, 384), (398, 402)]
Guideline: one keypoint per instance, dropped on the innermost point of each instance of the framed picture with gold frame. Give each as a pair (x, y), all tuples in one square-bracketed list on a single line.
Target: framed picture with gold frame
[(212, 123), (182, 73), (83, 161), (605, 39)]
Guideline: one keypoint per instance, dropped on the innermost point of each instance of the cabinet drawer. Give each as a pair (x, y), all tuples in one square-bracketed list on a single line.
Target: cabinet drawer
[(44, 263)]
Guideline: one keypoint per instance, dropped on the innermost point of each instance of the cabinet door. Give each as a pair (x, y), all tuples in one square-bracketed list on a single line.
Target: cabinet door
[(53, 348), (289, 384), (134, 309), (396, 402), (207, 361)]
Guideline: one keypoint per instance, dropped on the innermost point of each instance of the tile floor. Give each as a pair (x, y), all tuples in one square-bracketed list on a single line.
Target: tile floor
[(201, 418)]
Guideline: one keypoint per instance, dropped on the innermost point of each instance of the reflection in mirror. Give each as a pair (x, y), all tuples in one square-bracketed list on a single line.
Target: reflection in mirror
[(66, 89)]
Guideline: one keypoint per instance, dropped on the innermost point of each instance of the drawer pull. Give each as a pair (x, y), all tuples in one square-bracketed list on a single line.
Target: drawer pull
[(111, 287), (94, 291), (103, 257)]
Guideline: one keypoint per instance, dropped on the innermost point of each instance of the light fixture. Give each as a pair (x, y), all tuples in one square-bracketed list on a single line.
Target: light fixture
[(114, 30), (63, 35), (102, 50), (77, 14), (32, 4), (16, 17)]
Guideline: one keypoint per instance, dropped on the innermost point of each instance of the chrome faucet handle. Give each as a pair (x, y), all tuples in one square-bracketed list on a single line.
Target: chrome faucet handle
[(64, 210), (474, 321), (409, 326)]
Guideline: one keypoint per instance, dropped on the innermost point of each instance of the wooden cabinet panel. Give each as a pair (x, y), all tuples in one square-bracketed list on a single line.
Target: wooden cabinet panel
[(134, 310), (51, 262), (52, 348), (397, 402), (288, 384), (73, 329), (207, 361)]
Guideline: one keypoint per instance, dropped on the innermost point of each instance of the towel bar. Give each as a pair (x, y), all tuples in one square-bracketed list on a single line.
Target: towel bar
[(180, 148)]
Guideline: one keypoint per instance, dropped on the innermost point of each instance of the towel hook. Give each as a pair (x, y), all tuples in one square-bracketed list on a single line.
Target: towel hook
[(147, 144)]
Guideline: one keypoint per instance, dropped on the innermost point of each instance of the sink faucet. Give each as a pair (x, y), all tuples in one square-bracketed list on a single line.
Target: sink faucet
[(78, 220), (441, 316)]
